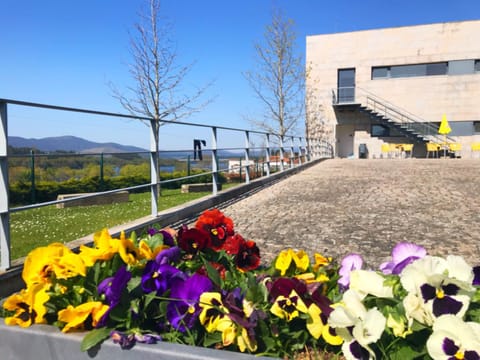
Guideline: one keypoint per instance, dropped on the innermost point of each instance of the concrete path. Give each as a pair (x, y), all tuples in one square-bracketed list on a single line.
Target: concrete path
[(367, 206)]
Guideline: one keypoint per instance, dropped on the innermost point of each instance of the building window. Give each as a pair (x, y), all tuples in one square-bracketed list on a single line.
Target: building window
[(476, 126), (461, 67), (410, 70), (477, 65), (380, 72)]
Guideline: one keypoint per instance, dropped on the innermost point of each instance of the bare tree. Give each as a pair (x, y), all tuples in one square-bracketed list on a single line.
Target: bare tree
[(158, 92), (279, 77)]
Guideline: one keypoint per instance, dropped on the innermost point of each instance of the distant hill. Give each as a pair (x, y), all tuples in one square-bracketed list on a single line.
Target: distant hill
[(70, 143)]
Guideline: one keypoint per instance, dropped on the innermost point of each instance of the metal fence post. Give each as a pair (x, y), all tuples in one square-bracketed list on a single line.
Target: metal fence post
[(214, 162), (154, 175), (247, 157), (33, 197), (267, 153), (4, 208)]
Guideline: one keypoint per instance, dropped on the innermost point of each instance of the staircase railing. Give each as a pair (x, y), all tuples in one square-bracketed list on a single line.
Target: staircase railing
[(395, 114)]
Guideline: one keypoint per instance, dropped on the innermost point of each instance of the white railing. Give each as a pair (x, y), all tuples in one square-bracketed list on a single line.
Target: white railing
[(299, 150)]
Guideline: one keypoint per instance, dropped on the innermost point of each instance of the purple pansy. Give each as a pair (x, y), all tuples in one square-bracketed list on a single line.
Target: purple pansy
[(349, 263), (170, 255), (113, 286), (183, 309), (158, 277), (127, 341), (402, 254)]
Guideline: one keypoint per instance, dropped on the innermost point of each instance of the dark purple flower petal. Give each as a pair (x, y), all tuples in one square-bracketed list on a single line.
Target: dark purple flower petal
[(183, 309), (171, 255), (428, 292), (358, 351), (158, 278), (446, 305), (450, 289), (113, 287), (476, 275), (449, 347), (471, 355)]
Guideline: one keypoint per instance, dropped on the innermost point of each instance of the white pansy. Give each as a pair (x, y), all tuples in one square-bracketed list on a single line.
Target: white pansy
[(459, 269), (452, 338), (370, 329), (418, 273), (369, 282)]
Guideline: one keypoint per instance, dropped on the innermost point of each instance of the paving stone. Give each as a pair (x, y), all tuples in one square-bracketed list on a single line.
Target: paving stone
[(341, 206)]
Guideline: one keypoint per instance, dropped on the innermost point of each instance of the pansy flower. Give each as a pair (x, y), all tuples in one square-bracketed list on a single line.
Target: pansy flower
[(183, 309), (284, 286), (158, 277), (104, 248), (192, 240), (248, 256), (358, 326), (288, 257), (28, 305), (112, 288), (288, 307), (452, 338), (55, 260), (349, 263), (83, 316), (402, 254), (217, 225), (444, 285)]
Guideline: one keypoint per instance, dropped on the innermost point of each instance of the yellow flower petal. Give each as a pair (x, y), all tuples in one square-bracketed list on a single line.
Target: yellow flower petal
[(284, 259)]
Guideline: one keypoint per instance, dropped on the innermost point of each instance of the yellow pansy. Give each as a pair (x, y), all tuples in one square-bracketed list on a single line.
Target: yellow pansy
[(288, 307), (284, 259), (213, 315), (127, 250), (301, 260), (245, 342), (54, 259), (316, 327), (75, 317), (105, 247), (320, 261), (28, 306), (145, 252)]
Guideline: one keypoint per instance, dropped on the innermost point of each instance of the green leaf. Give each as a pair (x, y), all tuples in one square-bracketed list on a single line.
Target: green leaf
[(94, 337), (212, 273), (212, 339)]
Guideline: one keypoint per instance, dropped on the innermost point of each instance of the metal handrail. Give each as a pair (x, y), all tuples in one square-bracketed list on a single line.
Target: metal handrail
[(393, 112), (306, 148)]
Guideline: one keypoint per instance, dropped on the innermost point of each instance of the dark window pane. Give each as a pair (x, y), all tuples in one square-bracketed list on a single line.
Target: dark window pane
[(436, 69), (477, 65), (380, 72), (408, 70)]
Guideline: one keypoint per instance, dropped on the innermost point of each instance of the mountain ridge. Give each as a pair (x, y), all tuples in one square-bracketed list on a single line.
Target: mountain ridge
[(70, 143)]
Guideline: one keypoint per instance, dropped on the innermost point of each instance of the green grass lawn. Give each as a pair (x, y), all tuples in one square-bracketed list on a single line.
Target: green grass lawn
[(41, 226)]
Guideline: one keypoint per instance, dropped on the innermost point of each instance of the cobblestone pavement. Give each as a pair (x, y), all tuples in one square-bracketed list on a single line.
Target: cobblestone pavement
[(367, 206)]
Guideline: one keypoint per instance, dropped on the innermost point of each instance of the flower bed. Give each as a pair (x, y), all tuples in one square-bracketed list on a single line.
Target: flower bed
[(205, 286)]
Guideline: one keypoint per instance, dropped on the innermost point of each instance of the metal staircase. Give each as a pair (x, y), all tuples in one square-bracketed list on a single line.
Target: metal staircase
[(385, 113)]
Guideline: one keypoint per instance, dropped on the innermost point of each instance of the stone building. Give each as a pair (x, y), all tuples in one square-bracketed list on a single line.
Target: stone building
[(370, 89)]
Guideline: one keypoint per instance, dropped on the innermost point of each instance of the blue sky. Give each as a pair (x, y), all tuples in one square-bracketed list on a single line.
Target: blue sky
[(66, 52)]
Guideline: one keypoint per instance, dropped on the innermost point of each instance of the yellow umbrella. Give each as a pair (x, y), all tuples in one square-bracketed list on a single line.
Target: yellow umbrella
[(444, 129)]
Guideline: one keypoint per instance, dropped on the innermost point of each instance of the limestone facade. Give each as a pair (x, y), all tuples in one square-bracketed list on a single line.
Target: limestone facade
[(455, 93)]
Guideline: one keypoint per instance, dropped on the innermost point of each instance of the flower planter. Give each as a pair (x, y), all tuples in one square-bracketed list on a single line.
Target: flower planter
[(44, 342)]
